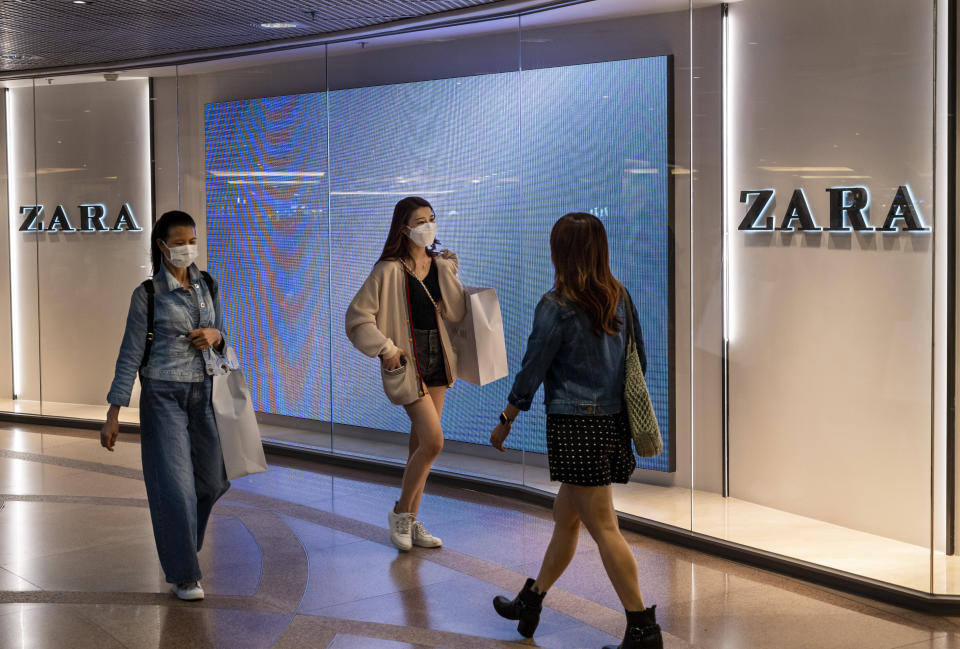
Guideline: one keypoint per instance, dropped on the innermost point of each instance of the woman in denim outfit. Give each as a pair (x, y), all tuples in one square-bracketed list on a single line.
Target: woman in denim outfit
[(577, 349), (179, 444)]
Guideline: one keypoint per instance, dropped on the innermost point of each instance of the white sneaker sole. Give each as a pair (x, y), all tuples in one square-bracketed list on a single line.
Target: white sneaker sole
[(184, 597), (436, 543), (400, 545)]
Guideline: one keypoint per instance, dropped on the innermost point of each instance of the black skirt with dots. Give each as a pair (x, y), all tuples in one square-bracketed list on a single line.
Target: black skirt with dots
[(589, 451)]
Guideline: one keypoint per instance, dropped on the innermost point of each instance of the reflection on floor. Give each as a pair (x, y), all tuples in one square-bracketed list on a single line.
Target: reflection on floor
[(734, 520), (730, 519), (67, 410), (300, 557)]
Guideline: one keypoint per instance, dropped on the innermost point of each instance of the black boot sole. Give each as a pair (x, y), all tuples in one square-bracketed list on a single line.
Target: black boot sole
[(528, 620), (658, 644)]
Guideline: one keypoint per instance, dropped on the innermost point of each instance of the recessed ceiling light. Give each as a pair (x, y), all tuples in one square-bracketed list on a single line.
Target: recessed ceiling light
[(19, 57), (279, 25), (81, 2)]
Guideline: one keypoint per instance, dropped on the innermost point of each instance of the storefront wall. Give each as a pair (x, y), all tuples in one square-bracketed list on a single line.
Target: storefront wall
[(830, 331), (799, 375)]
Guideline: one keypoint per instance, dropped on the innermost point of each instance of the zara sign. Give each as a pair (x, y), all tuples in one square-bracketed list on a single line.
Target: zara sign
[(90, 219), (849, 212)]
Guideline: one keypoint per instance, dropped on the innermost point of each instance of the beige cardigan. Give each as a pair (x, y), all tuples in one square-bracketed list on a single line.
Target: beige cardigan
[(378, 319)]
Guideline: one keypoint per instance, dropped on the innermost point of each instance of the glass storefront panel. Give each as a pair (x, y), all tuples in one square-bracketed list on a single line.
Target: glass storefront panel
[(606, 109), (830, 229), (437, 115), (253, 169), (23, 383), (92, 139), (768, 178)]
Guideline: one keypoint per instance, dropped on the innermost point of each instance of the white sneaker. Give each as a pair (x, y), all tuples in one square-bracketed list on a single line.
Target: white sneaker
[(400, 525), (188, 591), (422, 538)]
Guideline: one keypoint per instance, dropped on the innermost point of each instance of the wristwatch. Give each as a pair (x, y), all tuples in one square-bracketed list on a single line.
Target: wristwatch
[(503, 419)]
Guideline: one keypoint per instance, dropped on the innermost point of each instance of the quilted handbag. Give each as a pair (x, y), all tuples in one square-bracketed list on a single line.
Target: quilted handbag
[(643, 421)]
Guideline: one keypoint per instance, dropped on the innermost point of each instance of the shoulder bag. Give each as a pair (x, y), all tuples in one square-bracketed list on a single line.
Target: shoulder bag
[(642, 419)]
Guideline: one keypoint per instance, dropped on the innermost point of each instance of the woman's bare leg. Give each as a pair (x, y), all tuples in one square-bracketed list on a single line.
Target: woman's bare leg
[(563, 543), (425, 445), (438, 394), (595, 508)]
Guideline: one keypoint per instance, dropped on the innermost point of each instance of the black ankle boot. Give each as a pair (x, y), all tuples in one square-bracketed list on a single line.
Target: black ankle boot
[(525, 607), (642, 632)]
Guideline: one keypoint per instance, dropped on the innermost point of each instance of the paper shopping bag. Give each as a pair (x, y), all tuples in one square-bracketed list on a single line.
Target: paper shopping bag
[(478, 338), (236, 421)]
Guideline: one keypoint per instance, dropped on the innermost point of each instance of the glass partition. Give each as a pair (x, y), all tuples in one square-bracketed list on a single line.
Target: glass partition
[(24, 393), (772, 182), (605, 125), (253, 167), (92, 146), (830, 225), (434, 115)]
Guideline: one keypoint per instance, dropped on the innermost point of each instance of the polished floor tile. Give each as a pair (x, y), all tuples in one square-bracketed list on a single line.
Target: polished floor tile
[(300, 557), (158, 627), (50, 626), (315, 537), (366, 570), (359, 642), (768, 616), (461, 605)]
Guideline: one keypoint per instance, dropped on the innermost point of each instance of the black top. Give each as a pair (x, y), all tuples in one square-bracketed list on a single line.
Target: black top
[(424, 314)]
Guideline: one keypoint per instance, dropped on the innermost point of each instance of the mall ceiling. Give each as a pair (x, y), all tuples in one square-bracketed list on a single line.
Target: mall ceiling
[(46, 35)]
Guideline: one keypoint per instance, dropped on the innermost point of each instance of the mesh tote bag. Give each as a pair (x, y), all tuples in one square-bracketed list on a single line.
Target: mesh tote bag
[(643, 421)]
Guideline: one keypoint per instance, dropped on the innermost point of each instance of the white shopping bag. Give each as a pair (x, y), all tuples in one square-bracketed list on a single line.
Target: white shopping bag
[(236, 421), (478, 338)]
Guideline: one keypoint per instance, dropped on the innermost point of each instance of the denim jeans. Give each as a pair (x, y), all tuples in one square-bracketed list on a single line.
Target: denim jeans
[(182, 468)]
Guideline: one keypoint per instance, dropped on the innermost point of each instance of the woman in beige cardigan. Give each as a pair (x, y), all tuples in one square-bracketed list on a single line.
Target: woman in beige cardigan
[(398, 316)]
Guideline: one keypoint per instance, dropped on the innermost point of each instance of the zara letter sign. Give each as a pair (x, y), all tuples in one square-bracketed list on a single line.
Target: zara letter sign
[(849, 212), (91, 219)]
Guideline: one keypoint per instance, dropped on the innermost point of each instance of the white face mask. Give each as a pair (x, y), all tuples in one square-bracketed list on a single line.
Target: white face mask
[(424, 234), (181, 256)]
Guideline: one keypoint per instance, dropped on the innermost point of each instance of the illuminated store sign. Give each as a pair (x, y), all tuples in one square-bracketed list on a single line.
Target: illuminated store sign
[(91, 219), (849, 212)]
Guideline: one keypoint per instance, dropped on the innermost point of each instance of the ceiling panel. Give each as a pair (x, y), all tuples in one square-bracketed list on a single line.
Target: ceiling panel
[(44, 34)]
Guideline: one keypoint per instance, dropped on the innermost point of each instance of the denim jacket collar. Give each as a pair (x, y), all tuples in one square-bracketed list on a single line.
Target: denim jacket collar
[(171, 282)]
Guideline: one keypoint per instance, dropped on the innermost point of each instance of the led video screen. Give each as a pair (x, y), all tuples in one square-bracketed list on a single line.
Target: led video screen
[(300, 193)]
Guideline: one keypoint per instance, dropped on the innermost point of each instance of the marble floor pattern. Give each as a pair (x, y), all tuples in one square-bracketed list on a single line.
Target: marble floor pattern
[(300, 557), (745, 523)]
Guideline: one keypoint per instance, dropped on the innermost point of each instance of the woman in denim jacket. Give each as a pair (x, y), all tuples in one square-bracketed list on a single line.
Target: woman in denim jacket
[(577, 349), (179, 444)]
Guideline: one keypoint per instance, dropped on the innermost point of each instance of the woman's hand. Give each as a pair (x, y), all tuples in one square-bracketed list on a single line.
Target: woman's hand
[(205, 338), (110, 428), (394, 362), (499, 435)]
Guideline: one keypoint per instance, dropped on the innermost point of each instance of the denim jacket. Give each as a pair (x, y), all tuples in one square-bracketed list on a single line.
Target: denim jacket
[(173, 357), (582, 372)]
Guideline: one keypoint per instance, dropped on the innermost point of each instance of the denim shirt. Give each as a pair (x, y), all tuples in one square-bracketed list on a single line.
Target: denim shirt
[(582, 372), (177, 312)]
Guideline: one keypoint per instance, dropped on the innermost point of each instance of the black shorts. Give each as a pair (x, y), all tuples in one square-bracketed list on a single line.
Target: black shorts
[(429, 353), (590, 451)]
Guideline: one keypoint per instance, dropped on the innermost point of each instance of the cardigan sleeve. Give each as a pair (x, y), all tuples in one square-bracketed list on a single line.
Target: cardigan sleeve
[(453, 307), (361, 320)]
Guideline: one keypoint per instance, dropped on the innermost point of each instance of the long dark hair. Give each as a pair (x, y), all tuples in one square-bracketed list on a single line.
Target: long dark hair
[(581, 258), (161, 230), (396, 245)]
